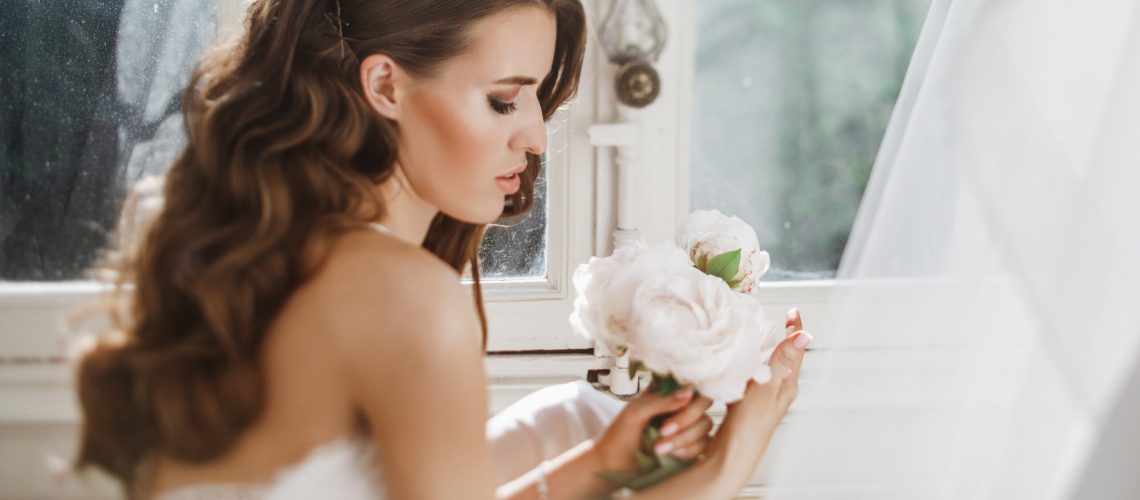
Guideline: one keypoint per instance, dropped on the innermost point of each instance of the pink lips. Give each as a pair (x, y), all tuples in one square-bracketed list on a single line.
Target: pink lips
[(511, 185)]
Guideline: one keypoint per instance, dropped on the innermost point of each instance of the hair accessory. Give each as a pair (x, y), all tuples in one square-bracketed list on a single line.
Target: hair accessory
[(339, 23)]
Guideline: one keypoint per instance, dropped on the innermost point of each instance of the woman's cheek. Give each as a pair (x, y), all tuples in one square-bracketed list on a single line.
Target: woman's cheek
[(470, 137)]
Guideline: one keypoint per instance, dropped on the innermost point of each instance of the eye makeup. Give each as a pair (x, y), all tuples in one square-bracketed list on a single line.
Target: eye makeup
[(505, 104), (503, 108)]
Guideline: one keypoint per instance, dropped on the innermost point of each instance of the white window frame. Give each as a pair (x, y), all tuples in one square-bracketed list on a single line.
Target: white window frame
[(523, 315), (662, 191)]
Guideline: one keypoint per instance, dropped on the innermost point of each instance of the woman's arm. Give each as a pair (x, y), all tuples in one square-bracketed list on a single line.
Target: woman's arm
[(574, 474), (747, 428), (730, 459)]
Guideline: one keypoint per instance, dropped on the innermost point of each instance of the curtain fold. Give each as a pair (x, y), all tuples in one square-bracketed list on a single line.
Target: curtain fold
[(993, 269)]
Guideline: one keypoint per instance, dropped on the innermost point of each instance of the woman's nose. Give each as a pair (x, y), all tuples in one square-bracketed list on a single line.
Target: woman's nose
[(531, 134)]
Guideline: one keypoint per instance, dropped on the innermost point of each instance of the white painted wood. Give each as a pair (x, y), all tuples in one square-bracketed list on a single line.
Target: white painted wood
[(34, 317), (612, 134), (658, 210), (38, 416), (37, 393), (657, 196)]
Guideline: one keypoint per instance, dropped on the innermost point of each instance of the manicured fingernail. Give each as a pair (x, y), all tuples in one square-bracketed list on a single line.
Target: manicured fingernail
[(802, 340), (669, 429), (683, 393), (663, 448)]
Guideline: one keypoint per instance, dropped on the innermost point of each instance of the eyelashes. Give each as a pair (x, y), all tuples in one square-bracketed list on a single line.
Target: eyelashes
[(503, 108)]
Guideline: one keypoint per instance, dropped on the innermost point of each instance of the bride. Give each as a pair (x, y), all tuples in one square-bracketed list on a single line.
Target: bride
[(343, 158)]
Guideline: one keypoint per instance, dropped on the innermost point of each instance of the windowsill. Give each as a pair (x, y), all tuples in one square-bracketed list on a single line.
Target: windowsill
[(33, 314), (41, 391), (871, 390)]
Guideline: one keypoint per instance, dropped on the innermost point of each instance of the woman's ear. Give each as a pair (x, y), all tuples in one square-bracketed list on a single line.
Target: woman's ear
[(384, 83)]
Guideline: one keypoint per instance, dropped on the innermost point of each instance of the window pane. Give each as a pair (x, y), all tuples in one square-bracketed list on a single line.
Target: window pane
[(791, 101), (516, 249), (90, 92)]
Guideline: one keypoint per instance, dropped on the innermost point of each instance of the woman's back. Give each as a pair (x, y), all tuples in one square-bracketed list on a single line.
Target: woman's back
[(360, 291)]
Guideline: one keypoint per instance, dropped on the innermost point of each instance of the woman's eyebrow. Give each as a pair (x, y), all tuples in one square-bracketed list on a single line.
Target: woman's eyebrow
[(517, 80)]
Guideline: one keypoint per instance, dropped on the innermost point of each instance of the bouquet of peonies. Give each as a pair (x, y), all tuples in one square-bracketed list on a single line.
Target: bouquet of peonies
[(686, 312)]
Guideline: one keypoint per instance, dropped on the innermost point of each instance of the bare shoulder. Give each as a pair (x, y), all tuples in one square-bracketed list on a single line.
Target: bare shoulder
[(408, 351), (384, 302), (368, 261)]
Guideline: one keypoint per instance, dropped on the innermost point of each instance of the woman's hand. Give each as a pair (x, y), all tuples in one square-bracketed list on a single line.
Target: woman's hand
[(749, 423), (685, 434)]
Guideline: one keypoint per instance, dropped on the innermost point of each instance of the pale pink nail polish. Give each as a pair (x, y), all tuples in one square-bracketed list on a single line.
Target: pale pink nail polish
[(663, 448), (669, 429), (802, 340)]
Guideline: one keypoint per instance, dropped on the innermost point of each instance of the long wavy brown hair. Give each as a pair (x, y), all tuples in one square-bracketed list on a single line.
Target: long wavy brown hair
[(283, 154)]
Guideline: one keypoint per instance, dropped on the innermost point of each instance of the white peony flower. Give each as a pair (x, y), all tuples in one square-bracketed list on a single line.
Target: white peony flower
[(693, 326), (606, 287), (709, 233)]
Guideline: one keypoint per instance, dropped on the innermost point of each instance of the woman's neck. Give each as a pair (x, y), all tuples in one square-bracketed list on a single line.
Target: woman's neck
[(408, 216)]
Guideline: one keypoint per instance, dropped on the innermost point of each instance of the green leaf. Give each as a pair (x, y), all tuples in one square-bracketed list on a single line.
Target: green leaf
[(645, 460), (654, 469), (619, 478), (634, 367), (649, 437), (673, 462), (665, 385), (656, 476), (725, 266)]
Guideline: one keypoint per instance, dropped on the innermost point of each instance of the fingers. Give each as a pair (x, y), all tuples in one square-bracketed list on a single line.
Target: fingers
[(789, 355), (687, 416), (685, 438), (649, 404), (792, 322), (785, 365), (694, 450)]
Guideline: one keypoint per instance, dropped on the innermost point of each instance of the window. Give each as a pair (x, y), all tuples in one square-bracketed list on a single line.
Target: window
[(516, 249), (790, 102), (91, 100), (95, 106), (91, 103)]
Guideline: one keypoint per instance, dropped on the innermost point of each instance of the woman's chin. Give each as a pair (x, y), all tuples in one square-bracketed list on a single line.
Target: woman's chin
[(478, 215)]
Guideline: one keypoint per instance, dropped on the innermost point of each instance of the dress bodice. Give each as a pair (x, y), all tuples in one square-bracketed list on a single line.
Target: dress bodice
[(345, 468)]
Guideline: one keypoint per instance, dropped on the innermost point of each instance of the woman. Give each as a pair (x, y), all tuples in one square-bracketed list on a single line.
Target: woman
[(342, 160)]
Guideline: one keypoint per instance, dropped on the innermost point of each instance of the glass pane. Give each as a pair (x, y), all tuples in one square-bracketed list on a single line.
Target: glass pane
[(791, 101), (90, 92), (516, 249)]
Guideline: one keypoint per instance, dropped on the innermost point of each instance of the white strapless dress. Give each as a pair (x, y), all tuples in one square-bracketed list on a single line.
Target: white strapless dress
[(537, 427)]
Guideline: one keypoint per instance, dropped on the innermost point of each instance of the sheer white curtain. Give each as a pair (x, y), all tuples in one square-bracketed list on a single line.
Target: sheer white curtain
[(995, 264)]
